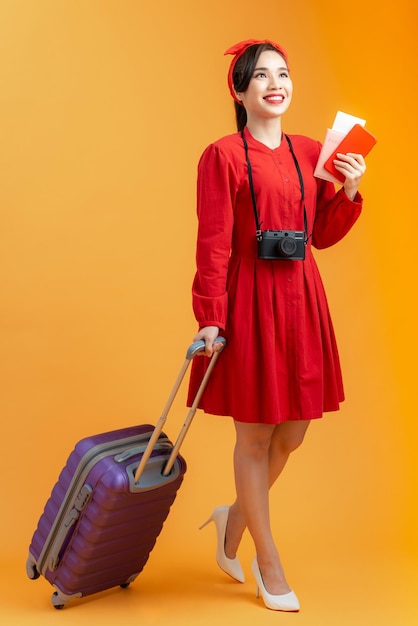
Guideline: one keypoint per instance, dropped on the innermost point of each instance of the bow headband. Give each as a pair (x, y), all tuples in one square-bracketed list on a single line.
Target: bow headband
[(238, 50)]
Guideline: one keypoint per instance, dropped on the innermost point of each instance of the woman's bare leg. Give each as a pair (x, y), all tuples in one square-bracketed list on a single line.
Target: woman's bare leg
[(260, 443)]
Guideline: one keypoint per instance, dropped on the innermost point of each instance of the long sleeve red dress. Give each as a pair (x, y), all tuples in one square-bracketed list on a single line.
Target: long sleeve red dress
[(281, 360)]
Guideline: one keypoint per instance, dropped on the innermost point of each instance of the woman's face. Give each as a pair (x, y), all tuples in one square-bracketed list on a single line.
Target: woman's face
[(270, 89)]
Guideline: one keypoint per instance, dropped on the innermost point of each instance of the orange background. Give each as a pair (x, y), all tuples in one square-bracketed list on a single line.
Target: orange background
[(105, 107)]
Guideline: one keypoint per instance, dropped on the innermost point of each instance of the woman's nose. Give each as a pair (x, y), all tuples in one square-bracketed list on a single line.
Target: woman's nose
[(274, 82)]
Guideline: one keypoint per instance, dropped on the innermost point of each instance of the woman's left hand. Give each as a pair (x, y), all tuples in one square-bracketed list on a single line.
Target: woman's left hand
[(352, 166)]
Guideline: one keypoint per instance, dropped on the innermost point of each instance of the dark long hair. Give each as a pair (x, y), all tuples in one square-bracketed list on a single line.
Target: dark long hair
[(242, 74)]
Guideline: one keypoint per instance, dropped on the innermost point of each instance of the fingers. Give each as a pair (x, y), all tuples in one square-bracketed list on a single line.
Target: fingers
[(209, 347), (351, 165), (208, 334)]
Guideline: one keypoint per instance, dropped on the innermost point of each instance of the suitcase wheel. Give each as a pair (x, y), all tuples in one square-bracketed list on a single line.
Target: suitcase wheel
[(31, 570), (130, 580), (57, 601)]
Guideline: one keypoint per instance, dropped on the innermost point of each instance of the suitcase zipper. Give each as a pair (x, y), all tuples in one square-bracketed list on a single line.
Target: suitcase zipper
[(78, 495)]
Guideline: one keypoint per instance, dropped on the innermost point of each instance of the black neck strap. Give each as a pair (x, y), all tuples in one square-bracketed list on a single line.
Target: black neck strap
[(250, 178)]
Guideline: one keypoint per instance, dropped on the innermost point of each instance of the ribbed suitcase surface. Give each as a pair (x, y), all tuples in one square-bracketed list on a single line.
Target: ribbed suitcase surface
[(99, 526)]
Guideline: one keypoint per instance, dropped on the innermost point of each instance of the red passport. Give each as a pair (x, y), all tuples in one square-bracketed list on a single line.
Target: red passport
[(357, 140)]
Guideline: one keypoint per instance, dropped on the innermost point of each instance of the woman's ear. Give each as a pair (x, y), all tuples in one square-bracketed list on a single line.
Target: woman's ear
[(238, 95)]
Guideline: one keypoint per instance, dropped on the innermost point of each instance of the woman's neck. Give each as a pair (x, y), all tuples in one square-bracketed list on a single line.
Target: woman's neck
[(268, 132)]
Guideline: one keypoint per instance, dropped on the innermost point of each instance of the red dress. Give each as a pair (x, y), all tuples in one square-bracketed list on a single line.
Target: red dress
[(281, 360)]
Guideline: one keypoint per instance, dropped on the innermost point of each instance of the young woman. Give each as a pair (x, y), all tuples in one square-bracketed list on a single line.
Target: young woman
[(262, 291)]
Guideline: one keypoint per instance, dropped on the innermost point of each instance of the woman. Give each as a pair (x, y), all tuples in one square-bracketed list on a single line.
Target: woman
[(280, 368)]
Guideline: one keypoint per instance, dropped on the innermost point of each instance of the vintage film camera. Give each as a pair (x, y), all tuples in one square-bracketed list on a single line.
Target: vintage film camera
[(288, 245)]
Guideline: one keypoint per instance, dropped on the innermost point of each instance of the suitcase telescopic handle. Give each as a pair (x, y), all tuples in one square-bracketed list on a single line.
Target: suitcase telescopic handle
[(196, 348)]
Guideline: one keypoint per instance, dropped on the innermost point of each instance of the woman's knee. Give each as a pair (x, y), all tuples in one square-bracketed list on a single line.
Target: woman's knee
[(254, 439), (288, 436)]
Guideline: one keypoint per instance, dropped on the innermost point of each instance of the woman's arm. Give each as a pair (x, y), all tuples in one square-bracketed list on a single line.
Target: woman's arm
[(336, 213), (215, 197)]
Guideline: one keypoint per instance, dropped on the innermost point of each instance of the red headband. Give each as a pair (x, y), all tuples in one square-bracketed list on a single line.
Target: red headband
[(238, 50)]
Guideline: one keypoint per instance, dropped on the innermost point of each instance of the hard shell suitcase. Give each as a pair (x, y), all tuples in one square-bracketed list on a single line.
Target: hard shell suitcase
[(109, 504)]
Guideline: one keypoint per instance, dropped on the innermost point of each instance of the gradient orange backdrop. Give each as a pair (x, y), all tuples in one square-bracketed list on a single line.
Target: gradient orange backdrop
[(105, 107)]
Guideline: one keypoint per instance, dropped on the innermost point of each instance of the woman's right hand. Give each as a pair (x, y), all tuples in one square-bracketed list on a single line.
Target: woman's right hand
[(208, 334)]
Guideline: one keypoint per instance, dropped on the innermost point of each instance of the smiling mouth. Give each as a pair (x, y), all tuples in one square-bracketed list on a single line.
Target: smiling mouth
[(276, 99)]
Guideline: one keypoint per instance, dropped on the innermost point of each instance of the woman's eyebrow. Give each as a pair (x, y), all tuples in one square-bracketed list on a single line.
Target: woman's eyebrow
[(265, 69)]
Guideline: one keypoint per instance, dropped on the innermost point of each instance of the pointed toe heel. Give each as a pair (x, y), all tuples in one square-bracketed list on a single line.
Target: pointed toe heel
[(282, 602), (232, 567)]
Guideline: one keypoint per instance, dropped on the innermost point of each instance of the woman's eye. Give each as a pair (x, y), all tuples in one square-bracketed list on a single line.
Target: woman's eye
[(260, 75), (284, 75)]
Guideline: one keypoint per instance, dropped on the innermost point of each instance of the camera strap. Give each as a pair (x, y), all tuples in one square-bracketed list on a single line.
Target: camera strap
[(250, 178)]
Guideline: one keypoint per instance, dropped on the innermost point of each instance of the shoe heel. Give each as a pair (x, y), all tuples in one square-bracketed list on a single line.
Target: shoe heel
[(210, 519), (232, 567)]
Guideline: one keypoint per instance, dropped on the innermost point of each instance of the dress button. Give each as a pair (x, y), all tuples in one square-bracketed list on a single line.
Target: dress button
[(287, 180)]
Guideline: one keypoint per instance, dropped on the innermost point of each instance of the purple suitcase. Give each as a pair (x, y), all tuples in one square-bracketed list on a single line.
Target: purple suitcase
[(110, 503)]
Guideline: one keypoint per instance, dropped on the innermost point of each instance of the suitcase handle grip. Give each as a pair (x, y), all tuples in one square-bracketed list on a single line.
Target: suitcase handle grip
[(196, 348)]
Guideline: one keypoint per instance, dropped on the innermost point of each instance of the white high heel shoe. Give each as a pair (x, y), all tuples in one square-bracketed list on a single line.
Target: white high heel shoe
[(229, 566), (283, 602)]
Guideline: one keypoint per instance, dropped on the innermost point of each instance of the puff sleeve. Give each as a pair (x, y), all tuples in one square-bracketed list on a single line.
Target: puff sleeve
[(216, 191), (335, 215)]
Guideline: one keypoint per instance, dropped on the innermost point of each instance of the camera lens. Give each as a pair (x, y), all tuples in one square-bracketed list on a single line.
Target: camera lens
[(287, 246)]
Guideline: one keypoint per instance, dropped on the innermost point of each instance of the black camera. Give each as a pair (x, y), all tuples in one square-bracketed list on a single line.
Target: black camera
[(281, 244)]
